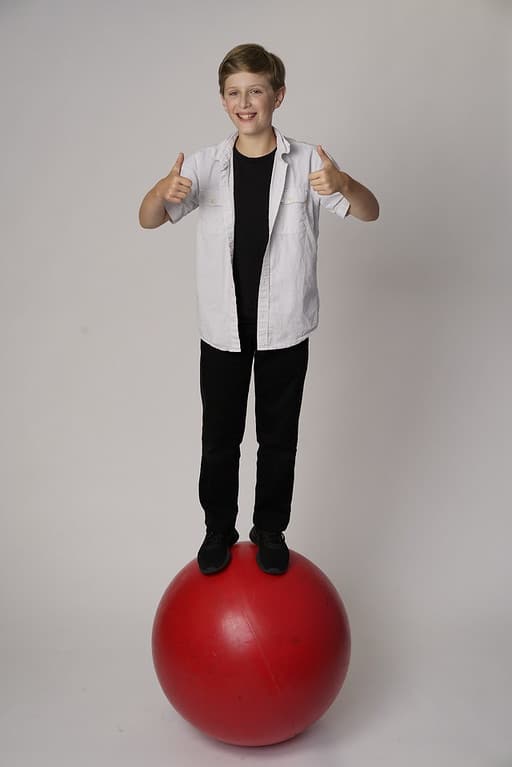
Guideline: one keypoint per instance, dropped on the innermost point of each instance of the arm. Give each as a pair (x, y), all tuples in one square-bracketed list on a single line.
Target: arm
[(363, 204), (329, 179), (170, 191), (152, 212)]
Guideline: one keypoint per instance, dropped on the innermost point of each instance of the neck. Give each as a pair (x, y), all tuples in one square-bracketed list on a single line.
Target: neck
[(256, 146)]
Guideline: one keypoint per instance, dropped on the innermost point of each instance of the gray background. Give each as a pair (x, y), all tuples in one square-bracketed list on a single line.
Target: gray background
[(402, 491)]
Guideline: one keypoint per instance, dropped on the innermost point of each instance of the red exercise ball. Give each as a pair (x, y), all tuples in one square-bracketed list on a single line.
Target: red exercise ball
[(249, 658)]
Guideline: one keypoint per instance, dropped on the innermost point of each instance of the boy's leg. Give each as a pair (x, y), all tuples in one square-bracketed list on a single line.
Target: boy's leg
[(224, 382), (278, 383)]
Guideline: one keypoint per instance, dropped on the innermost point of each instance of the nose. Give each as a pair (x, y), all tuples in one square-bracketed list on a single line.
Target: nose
[(244, 100)]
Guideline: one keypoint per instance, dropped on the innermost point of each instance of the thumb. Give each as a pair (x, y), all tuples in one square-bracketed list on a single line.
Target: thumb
[(323, 156), (176, 168)]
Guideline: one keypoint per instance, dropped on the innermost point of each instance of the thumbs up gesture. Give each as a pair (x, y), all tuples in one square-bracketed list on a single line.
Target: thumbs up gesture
[(328, 179), (174, 187)]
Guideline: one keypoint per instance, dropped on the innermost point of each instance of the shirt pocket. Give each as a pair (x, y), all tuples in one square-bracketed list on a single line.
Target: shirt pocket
[(211, 211), (292, 210)]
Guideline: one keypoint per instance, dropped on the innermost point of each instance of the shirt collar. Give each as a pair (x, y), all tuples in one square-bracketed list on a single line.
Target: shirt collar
[(225, 148)]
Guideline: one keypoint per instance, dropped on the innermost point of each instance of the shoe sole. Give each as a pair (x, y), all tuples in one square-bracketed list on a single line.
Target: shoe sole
[(269, 570), (212, 570)]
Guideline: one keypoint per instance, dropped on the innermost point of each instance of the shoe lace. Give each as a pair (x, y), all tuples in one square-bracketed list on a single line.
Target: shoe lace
[(212, 538), (271, 538)]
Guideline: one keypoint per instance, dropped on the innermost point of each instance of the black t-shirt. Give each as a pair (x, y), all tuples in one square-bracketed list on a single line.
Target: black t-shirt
[(251, 196)]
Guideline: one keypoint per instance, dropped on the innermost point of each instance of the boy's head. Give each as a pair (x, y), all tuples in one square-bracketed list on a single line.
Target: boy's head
[(251, 57), (251, 84)]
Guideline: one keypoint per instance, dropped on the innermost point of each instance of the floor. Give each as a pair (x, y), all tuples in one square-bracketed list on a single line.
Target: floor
[(443, 699)]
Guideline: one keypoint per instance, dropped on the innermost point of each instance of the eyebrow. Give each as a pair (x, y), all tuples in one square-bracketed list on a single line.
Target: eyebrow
[(253, 85)]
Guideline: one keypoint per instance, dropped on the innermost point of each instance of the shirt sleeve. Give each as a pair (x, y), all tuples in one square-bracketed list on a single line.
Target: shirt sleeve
[(176, 210), (335, 203)]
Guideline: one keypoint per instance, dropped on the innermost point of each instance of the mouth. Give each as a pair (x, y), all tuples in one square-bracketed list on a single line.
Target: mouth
[(246, 117)]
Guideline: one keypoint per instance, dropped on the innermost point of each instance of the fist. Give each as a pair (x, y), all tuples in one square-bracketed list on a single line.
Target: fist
[(174, 187), (328, 179)]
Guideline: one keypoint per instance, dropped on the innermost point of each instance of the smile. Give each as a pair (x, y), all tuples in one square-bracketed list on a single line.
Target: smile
[(247, 117)]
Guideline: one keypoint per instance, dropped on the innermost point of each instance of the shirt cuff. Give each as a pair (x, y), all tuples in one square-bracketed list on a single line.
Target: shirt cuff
[(174, 211), (336, 203), (341, 207)]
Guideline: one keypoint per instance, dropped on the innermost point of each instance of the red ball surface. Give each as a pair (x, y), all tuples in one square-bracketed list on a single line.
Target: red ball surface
[(249, 658)]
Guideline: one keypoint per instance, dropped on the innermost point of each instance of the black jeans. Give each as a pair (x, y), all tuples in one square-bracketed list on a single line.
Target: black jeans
[(278, 386)]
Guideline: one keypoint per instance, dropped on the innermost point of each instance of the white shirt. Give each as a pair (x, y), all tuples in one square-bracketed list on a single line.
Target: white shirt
[(288, 300)]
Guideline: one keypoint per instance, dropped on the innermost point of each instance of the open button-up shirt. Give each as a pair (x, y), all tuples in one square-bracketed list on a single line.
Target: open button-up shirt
[(288, 300)]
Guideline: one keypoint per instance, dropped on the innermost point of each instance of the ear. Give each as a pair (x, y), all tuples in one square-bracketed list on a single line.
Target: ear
[(223, 101), (279, 96)]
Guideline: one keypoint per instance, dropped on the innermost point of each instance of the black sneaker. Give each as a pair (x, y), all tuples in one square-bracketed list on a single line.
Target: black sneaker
[(214, 554), (273, 555)]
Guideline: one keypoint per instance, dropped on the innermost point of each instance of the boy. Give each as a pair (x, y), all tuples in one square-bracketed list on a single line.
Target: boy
[(258, 195)]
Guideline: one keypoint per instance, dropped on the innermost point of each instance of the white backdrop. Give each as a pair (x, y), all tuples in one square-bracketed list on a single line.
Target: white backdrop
[(402, 492)]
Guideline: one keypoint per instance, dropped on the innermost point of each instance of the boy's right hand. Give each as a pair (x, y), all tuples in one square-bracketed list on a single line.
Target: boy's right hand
[(174, 187)]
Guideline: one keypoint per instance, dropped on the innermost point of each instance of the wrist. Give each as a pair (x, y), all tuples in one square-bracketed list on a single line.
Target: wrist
[(158, 192), (343, 183)]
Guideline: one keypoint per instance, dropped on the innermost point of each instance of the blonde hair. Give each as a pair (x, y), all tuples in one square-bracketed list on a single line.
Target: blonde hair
[(251, 57)]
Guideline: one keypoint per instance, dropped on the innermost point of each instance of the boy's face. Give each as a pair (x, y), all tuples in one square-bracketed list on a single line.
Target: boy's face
[(250, 101)]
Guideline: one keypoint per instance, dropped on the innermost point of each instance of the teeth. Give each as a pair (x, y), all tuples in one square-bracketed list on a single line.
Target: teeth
[(247, 117)]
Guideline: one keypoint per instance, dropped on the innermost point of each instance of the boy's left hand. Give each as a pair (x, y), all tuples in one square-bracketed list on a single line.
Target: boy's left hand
[(328, 179)]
